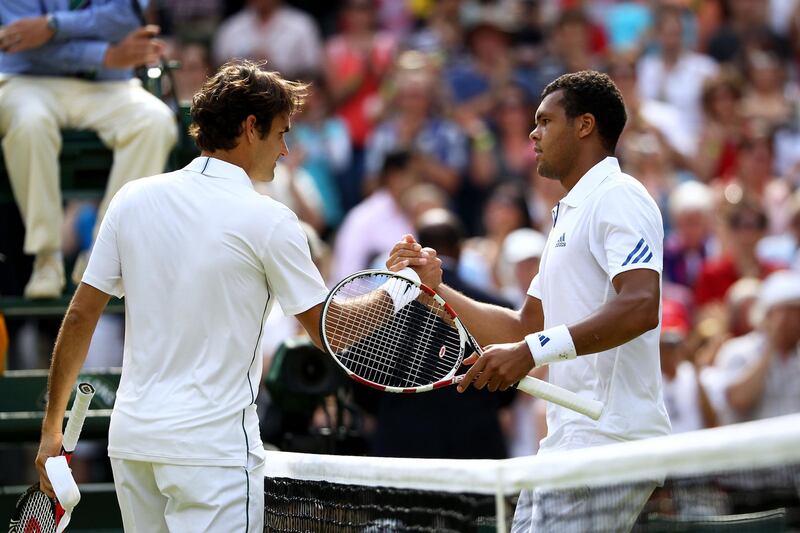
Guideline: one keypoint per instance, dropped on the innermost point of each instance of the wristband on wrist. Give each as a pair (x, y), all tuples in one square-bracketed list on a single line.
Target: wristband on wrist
[(551, 346), (401, 293)]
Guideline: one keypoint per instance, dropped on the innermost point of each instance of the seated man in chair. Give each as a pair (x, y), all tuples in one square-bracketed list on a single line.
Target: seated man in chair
[(68, 64)]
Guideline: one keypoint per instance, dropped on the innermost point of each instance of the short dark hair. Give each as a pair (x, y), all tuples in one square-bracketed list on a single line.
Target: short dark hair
[(589, 91), (239, 89), (394, 161)]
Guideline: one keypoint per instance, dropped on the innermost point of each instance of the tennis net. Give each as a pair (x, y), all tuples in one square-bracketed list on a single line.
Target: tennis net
[(744, 477)]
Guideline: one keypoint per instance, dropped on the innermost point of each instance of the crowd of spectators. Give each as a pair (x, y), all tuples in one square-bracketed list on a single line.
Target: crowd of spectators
[(426, 105)]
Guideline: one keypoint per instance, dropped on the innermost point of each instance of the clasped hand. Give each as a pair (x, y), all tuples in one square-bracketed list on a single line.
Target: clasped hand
[(502, 365)]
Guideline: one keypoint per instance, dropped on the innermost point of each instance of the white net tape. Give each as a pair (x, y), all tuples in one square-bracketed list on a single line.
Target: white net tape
[(750, 445)]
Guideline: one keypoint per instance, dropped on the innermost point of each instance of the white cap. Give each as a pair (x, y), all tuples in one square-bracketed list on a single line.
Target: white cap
[(691, 196), (779, 288), (523, 243)]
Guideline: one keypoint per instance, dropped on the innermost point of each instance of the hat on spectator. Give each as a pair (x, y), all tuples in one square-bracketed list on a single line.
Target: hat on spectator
[(522, 244), (674, 321), (779, 288), (489, 16), (691, 196)]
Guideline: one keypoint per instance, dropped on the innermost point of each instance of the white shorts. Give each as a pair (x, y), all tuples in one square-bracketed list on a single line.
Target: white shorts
[(606, 509), (161, 498)]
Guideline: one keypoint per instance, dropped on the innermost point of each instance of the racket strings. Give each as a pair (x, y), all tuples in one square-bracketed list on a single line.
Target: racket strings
[(35, 512), (414, 346)]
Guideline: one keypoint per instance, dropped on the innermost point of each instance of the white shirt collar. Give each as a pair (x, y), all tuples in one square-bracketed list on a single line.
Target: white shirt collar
[(217, 168), (589, 182)]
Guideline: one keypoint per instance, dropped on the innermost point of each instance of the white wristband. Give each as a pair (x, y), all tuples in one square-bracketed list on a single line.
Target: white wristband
[(551, 346), (401, 293)]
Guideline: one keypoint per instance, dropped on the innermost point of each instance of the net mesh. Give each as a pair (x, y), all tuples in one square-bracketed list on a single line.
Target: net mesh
[(736, 478), (385, 330)]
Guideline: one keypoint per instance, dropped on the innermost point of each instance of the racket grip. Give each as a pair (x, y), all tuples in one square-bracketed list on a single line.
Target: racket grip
[(80, 406), (564, 398)]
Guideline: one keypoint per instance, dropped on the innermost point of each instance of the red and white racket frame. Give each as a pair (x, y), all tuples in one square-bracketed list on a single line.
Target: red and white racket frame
[(530, 385)]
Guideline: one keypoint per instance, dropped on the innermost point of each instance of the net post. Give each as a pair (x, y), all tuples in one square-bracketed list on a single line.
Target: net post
[(500, 503)]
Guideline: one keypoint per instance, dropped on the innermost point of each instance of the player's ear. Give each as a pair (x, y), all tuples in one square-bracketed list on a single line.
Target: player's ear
[(250, 129), (585, 125)]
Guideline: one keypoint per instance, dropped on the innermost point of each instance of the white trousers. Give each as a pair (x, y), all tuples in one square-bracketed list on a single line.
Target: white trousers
[(162, 498), (582, 509), (136, 125)]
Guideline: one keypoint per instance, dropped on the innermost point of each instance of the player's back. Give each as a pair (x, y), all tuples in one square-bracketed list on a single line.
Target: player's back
[(191, 248)]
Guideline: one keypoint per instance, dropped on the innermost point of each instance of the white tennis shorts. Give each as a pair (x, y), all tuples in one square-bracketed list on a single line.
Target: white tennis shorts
[(161, 498), (606, 509)]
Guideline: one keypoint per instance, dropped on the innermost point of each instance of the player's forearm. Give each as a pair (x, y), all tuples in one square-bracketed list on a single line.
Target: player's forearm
[(489, 324), (70, 351), (616, 323)]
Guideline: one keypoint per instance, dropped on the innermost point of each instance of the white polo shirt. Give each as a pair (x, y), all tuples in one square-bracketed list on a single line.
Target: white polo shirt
[(607, 224), (200, 257)]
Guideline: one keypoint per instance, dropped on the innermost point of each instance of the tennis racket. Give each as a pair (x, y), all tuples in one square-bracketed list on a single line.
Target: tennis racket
[(35, 512), (395, 334)]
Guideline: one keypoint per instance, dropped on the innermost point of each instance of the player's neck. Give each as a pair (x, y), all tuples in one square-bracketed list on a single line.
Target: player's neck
[(582, 166), (234, 157)]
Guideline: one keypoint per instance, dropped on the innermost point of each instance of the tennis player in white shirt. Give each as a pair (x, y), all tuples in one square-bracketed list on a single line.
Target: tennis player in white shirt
[(200, 257), (592, 312)]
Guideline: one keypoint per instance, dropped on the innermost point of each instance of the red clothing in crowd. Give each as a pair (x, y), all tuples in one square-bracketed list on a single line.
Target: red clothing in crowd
[(717, 275)]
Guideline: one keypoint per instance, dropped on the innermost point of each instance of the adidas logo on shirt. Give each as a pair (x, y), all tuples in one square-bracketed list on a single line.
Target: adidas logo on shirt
[(561, 242)]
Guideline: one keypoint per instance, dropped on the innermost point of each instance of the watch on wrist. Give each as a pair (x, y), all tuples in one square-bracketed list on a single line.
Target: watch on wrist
[(52, 23)]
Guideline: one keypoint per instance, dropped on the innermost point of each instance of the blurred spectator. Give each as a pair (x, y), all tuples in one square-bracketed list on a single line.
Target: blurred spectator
[(441, 423), (287, 38), (762, 368), (505, 211), (674, 74), (753, 179), (356, 61), (720, 134), (421, 197), (519, 263), (569, 49), (414, 123), (513, 119), (649, 116), (190, 20), (745, 224), (295, 188), (324, 143), (195, 66), (785, 247), (714, 326), (72, 68), (627, 23), (687, 244), (685, 398), (372, 227), (766, 95), (502, 154), (743, 22), (488, 63), (646, 155), (442, 34)]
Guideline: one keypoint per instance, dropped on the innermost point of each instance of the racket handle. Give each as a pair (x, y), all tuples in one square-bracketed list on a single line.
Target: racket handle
[(80, 406), (564, 398)]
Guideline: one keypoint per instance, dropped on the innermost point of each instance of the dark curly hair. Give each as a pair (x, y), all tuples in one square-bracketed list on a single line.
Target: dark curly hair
[(592, 92), (239, 89)]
